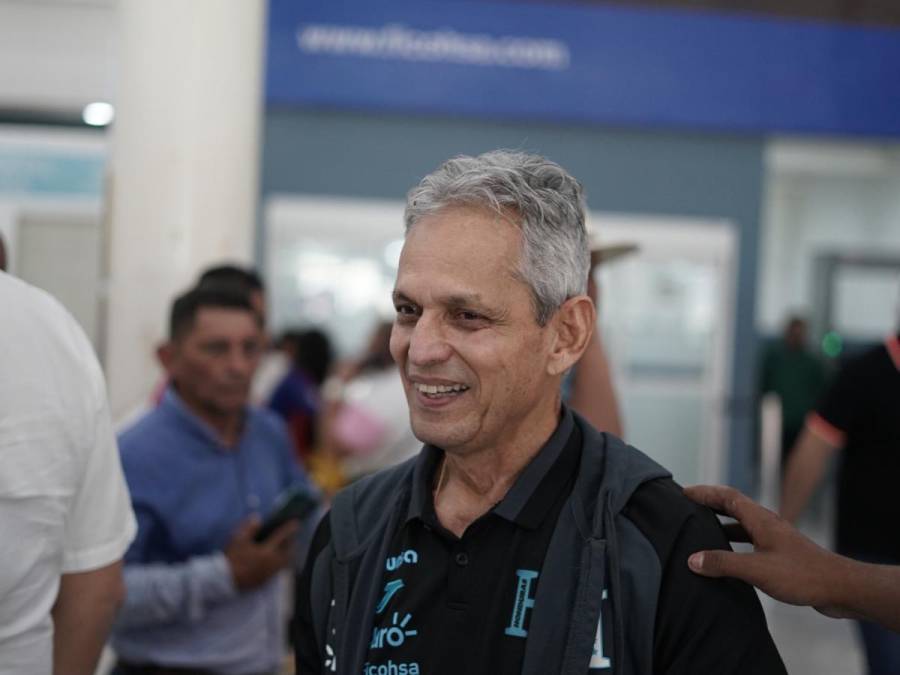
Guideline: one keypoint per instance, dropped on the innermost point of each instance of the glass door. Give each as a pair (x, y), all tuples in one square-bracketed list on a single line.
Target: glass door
[(666, 315)]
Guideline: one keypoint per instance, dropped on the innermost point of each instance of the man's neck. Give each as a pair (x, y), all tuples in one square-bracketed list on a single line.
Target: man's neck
[(469, 484), (227, 427)]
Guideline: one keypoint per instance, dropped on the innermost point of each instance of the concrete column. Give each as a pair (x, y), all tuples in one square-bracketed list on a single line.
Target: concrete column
[(184, 171)]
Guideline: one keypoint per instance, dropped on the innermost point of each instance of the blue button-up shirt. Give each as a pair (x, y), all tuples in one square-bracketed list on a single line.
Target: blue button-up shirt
[(190, 493)]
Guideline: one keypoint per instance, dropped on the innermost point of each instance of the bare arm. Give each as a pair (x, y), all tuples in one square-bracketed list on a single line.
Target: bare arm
[(804, 471), (793, 569), (82, 615), (593, 395), (874, 593)]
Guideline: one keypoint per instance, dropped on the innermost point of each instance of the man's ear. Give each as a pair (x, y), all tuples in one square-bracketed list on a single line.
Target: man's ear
[(165, 354), (573, 325)]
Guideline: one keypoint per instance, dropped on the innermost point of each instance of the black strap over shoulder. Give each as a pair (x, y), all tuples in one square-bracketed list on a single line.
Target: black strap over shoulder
[(360, 519), (359, 512)]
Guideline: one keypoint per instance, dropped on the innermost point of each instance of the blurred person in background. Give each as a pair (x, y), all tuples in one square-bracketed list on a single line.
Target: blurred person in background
[(3, 261), (202, 594), (240, 279), (796, 375), (274, 363), (859, 416), (65, 516), (793, 569), (588, 387), (368, 419), (297, 398)]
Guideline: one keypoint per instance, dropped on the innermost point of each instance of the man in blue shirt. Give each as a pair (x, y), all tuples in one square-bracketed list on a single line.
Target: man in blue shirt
[(202, 595)]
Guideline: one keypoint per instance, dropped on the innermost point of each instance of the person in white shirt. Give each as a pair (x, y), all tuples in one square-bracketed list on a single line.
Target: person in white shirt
[(65, 513)]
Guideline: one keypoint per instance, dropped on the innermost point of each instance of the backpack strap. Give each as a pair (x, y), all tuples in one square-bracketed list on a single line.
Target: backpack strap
[(360, 518), (360, 511)]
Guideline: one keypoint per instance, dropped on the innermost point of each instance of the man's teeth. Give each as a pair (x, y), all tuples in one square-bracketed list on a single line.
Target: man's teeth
[(440, 388)]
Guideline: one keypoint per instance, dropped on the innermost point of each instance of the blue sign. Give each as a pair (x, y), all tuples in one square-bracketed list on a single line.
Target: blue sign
[(32, 171), (585, 64)]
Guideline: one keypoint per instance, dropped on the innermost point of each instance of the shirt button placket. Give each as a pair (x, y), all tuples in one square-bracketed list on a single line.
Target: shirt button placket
[(459, 578)]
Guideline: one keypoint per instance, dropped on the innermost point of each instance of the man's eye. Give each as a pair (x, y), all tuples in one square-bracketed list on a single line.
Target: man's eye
[(466, 315), (405, 310)]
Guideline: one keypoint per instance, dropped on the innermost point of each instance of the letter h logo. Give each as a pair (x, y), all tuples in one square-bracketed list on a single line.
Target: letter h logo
[(522, 604)]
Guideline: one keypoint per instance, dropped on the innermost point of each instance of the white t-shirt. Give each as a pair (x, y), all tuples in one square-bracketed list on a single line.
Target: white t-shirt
[(64, 505), (377, 401)]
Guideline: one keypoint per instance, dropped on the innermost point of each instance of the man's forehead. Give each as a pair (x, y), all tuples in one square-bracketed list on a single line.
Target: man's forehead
[(212, 319), (460, 261), (484, 228)]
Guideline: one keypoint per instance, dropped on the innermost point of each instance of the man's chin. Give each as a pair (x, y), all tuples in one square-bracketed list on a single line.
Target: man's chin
[(232, 406), (442, 435)]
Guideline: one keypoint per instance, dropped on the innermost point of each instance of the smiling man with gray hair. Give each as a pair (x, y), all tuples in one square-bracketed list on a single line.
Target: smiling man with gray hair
[(520, 539)]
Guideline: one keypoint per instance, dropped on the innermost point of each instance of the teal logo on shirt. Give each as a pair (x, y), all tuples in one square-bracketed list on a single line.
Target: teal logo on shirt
[(390, 588), (408, 557), (395, 634), (523, 602), (391, 668)]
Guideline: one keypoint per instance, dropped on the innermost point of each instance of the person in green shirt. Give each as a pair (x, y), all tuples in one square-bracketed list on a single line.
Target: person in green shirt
[(796, 375)]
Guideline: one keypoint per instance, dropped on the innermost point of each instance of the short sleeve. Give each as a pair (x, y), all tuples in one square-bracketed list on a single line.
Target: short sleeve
[(100, 524), (702, 625), (840, 406), (709, 625)]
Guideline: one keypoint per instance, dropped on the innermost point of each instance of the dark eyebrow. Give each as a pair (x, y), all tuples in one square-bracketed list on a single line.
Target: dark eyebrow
[(463, 300), (459, 300), (214, 341), (397, 296)]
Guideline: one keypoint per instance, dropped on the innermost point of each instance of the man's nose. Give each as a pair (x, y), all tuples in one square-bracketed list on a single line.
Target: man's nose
[(239, 362), (428, 343)]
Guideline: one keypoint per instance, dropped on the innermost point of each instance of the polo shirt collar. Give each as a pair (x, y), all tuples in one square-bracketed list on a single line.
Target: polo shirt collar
[(533, 486), (173, 405)]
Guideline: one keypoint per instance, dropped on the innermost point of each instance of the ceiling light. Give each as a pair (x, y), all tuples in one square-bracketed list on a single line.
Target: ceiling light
[(98, 114)]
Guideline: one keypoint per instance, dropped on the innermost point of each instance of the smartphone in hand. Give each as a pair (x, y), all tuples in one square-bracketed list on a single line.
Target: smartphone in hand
[(295, 504)]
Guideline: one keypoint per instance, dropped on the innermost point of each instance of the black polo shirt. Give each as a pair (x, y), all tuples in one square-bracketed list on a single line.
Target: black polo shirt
[(452, 605), (860, 413), (461, 604)]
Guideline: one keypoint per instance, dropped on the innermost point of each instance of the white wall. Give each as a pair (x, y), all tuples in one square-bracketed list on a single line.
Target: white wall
[(183, 174), (822, 197), (50, 210), (56, 55)]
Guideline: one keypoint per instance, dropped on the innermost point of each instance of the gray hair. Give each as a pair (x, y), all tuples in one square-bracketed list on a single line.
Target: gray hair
[(548, 202)]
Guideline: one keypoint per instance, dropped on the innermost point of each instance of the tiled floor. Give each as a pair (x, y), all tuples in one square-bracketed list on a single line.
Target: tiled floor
[(812, 644)]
